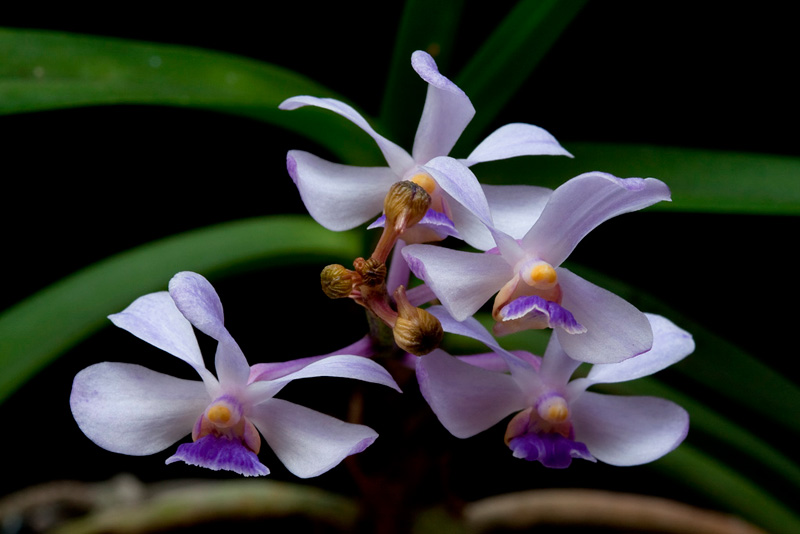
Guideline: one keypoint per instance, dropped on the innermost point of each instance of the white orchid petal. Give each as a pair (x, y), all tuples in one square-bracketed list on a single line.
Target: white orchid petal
[(615, 329), (308, 442), (516, 139), (198, 301), (463, 281), (154, 318), (398, 159), (625, 431), (466, 399), (341, 366), (670, 345), (130, 409), (447, 111), (339, 197), (581, 204)]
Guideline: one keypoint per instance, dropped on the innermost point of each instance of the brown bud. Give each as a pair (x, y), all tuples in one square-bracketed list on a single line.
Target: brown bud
[(337, 281), (405, 205), (372, 271), (416, 330), (418, 333)]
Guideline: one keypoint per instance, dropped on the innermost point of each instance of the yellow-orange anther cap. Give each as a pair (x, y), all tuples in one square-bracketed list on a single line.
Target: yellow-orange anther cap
[(542, 276)]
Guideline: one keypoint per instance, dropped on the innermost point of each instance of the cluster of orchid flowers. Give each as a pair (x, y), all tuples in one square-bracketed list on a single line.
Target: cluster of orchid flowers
[(523, 235)]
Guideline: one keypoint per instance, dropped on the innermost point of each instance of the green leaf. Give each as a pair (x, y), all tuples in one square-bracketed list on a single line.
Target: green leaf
[(701, 180), (429, 26), (73, 308), (712, 479), (508, 57), (47, 70)]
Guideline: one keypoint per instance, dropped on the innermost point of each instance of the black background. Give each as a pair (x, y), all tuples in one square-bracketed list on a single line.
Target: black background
[(83, 184)]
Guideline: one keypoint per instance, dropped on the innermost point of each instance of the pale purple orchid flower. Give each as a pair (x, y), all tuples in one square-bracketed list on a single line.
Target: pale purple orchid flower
[(532, 289), (341, 197), (557, 419), (130, 409)]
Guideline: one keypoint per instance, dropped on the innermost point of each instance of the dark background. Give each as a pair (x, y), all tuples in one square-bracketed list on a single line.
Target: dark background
[(87, 183)]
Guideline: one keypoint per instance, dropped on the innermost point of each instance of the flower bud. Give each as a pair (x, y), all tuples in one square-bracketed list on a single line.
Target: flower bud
[(372, 271), (338, 282), (416, 330), (405, 205)]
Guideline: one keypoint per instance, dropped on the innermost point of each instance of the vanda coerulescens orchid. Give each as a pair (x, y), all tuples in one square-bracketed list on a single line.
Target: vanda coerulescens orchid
[(557, 419), (532, 289), (341, 197), (130, 409)]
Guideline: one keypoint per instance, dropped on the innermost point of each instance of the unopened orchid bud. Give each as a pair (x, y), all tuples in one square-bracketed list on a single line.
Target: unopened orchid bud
[(416, 330), (405, 205), (372, 271), (337, 281)]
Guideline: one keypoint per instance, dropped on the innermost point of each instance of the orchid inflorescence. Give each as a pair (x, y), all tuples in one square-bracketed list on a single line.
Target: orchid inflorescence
[(522, 234)]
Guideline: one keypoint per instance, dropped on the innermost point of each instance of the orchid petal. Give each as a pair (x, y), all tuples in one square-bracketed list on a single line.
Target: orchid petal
[(523, 371), (398, 274), (581, 204), (341, 366), (463, 281), (615, 329), (622, 430), (434, 226), (231, 365), (272, 370), (339, 197), (154, 318), (670, 345), (419, 295), (516, 139), (469, 327), (220, 453), (130, 409), (466, 399), (447, 111), (398, 159), (471, 229), (461, 185), (515, 208), (557, 367), (198, 301), (508, 247), (308, 443)]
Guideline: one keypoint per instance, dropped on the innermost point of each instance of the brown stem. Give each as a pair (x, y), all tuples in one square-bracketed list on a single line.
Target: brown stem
[(601, 509)]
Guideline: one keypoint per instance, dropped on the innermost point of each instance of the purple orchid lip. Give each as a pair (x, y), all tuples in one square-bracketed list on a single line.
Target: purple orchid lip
[(220, 453), (533, 307), (551, 449)]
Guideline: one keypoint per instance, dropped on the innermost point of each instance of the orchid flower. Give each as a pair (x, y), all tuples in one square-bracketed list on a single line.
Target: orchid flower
[(532, 289), (130, 409), (557, 419), (341, 197)]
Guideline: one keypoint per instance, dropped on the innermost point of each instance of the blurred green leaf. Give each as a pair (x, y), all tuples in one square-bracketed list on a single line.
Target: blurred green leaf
[(509, 55), (48, 70), (36, 330), (701, 180), (429, 26), (708, 477)]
